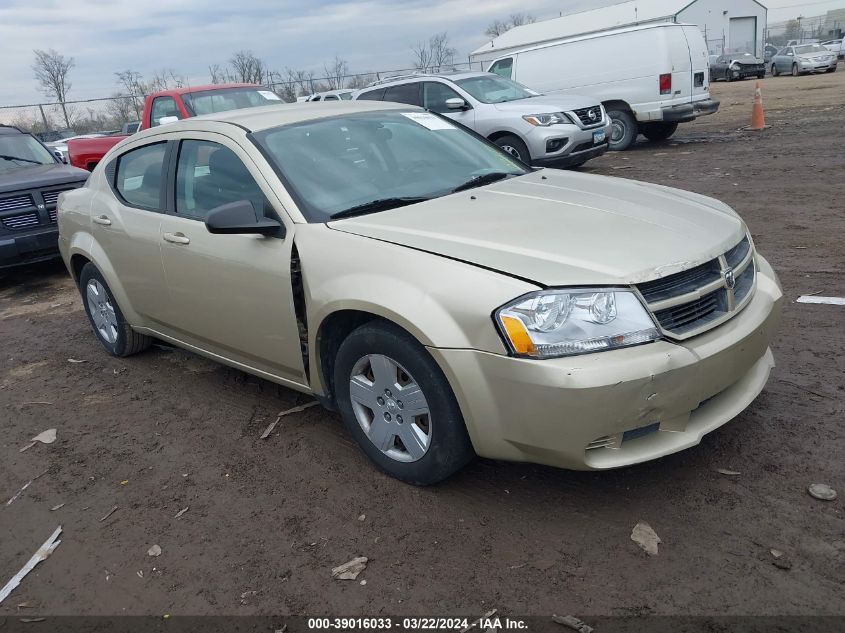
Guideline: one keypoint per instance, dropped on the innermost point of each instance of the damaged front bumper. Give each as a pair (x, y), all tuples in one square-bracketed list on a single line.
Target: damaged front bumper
[(622, 407)]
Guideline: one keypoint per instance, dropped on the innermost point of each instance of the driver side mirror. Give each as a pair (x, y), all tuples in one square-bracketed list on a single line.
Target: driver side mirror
[(456, 103), (238, 218)]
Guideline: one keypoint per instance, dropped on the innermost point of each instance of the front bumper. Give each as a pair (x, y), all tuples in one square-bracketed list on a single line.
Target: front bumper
[(586, 412), (579, 145), (575, 158), (31, 247)]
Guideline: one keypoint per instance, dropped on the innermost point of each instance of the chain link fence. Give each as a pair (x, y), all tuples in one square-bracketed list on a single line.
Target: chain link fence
[(51, 121)]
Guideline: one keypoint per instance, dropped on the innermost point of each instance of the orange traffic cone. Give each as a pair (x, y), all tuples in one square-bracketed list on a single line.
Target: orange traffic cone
[(758, 116)]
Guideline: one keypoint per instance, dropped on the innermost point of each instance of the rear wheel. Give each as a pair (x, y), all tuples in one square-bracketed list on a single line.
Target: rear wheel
[(775, 71), (795, 71), (111, 328), (623, 131), (728, 76), (515, 147), (398, 405), (658, 131)]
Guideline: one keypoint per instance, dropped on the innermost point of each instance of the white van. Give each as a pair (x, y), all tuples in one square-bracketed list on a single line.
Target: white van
[(648, 77)]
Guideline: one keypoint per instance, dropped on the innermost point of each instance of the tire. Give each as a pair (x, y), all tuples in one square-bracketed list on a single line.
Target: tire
[(831, 70), (374, 362), (658, 131), (795, 71), (728, 77), (515, 147), (107, 321), (624, 130), (775, 71)]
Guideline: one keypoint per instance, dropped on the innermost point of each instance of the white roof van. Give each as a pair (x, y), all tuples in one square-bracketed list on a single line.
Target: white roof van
[(649, 77)]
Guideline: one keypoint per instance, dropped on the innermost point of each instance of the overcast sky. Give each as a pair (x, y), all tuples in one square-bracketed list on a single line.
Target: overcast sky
[(105, 36)]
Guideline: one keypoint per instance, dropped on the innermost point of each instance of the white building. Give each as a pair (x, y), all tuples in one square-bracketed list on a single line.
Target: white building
[(727, 25)]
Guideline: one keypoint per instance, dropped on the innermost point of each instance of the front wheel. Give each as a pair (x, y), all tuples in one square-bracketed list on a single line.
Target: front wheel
[(515, 147), (795, 71), (398, 405), (831, 70), (728, 76), (658, 131), (623, 130), (775, 71), (111, 328)]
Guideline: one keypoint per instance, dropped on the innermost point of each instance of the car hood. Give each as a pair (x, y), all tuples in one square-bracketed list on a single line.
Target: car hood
[(39, 176), (815, 55), (748, 61), (546, 104), (563, 228)]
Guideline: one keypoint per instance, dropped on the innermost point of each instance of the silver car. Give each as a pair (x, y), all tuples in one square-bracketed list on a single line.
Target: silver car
[(561, 131), (804, 58)]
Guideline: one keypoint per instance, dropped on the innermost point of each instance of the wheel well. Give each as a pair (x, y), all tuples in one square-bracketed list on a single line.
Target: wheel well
[(333, 331), (77, 263), (495, 136), (617, 105)]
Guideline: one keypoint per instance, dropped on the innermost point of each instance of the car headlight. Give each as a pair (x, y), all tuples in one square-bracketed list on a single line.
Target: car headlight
[(735, 66), (553, 323), (545, 120)]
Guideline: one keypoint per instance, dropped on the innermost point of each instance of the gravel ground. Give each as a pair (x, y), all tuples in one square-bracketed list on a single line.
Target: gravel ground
[(266, 520)]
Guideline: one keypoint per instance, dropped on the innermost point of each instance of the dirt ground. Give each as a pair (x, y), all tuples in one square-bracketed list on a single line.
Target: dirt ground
[(266, 520)]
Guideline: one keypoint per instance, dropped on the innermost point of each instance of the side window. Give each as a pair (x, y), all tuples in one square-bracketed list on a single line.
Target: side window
[(372, 95), (331, 98), (403, 93), (209, 175), (138, 178), (503, 67), (162, 107), (317, 98), (435, 95)]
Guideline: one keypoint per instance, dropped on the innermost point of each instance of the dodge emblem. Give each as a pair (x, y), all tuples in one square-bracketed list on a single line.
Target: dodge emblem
[(730, 279)]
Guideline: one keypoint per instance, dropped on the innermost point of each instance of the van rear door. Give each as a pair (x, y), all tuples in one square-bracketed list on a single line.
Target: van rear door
[(699, 62)]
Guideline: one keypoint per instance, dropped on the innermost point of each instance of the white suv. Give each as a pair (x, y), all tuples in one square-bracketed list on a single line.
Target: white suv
[(562, 131)]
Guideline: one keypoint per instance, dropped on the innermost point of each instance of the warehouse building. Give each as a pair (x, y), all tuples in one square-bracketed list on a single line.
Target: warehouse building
[(727, 25)]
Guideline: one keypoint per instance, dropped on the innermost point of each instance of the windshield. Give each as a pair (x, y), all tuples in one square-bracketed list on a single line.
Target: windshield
[(810, 48), (341, 163), (210, 101), (495, 89), (19, 151)]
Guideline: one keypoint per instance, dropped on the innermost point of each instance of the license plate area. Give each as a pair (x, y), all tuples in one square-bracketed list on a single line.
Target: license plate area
[(599, 137)]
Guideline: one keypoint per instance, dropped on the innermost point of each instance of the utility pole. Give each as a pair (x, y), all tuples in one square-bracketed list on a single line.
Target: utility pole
[(44, 118)]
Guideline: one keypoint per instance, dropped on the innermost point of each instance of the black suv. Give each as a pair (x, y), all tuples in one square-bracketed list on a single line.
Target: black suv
[(31, 179)]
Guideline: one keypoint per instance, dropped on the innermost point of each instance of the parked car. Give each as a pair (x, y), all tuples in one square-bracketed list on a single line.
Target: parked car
[(649, 77), (59, 148), (735, 66), (171, 105), (806, 58), (559, 131), (836, 46), (447, 299), (31, 178), (331, 95)]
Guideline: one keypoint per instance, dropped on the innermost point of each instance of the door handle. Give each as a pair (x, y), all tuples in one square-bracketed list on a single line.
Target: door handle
[(176, 238), (102, 219)]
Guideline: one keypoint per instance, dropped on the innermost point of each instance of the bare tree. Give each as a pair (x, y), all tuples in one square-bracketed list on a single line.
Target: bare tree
[(122, 109), (497, 27), (356, 82), (793, 30), (51, 72), (434, 54), (336, 73), (166, 79), (247, 68), (133, 85), (218, 74), (302, 80)]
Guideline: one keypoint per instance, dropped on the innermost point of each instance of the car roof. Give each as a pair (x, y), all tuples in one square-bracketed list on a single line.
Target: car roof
[(451, 75), (189, 89), (9, 129), (263, 117)]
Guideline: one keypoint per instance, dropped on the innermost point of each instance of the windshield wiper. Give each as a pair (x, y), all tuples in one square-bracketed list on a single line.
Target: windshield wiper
[(26, 160), (484, 179), (382, 204)]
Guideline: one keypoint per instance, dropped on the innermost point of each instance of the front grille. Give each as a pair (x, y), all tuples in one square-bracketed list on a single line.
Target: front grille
[(16, 202), (54, 216), (692, 301), (584, 115), (50, 197), (21, 221)]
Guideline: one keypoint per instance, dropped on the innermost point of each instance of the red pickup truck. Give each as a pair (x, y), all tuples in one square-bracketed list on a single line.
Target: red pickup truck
[(171, 105)]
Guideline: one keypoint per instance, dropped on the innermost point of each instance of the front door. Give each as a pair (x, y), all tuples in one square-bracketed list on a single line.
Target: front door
[(434, 96), (229, 294)]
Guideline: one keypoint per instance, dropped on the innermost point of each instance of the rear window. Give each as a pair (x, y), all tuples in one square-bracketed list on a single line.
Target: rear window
[(211, 101), (372, 95)]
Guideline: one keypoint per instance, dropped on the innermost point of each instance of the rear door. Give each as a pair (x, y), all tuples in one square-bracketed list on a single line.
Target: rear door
[(699, 80)]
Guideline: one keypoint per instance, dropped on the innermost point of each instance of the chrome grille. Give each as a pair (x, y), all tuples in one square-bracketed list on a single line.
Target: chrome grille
[(584, 115), (50, 197), (21, 221), (54, 216), (695, 300), (16, 202)]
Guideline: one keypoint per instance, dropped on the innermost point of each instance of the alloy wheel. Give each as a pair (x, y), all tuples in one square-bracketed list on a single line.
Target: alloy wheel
[(510, 149), (390, 407), (101, 310)]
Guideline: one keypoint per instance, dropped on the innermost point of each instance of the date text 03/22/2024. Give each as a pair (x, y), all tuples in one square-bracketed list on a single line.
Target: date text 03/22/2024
[(417, 623)]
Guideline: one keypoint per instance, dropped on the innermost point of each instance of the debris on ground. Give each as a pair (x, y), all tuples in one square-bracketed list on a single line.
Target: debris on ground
[(272, 426), (45, 437), (570, 621), (43, 553), (350, 570), (831, 301), (76, 360), (108, 514), (646, 538), (486, 616), (730, 473), (58, 507), (822, 491), (23, 489), (362, 517), (155, 550), (181, 512)]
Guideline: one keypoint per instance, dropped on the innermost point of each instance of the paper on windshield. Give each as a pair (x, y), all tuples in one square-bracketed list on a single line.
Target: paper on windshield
[(269, 95), (429, 120)]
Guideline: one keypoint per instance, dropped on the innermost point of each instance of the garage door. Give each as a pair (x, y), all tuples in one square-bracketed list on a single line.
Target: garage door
[(743, 35)]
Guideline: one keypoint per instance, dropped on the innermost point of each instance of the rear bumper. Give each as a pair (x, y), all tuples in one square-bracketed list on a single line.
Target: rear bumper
[(31, 247), (690, 111)]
